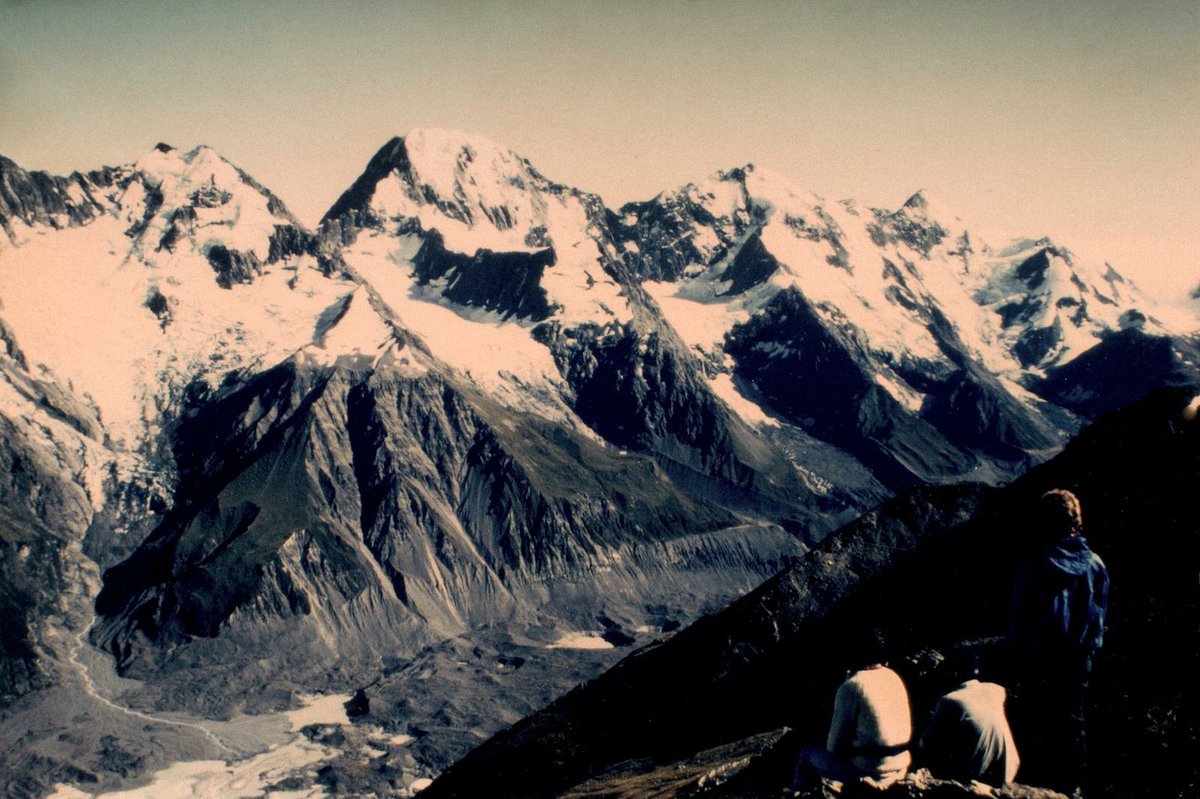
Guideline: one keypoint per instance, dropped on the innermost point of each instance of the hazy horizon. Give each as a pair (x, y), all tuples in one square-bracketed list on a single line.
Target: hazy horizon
[(1073, 120)]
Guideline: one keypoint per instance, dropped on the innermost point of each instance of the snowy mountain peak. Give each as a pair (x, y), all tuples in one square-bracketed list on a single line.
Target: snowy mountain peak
[(445, 157), (479, 236), (753, 186), (199, 202), (1053, 305), (168, 239), (205, 177), (475, 193), (924, 222)]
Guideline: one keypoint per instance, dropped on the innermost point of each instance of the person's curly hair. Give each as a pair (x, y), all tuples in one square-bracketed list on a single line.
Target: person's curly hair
[(1061, 512)]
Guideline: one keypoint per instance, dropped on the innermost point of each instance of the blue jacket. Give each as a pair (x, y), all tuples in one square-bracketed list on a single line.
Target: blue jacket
[(1060, 600)]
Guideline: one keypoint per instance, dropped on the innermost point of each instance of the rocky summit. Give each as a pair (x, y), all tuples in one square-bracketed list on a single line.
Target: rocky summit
[(478, 423)]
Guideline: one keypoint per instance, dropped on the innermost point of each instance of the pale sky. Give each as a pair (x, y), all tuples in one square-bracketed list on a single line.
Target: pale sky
[(1078, 120)]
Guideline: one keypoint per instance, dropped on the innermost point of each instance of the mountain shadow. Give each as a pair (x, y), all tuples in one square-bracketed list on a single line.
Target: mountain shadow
[(932, 568)]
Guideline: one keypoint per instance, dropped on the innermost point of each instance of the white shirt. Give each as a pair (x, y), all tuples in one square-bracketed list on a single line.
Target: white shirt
[(872, 723), (969, 734)]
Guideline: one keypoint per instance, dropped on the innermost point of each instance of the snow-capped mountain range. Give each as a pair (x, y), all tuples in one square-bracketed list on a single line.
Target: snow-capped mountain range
[(475, 396), (487, 249)]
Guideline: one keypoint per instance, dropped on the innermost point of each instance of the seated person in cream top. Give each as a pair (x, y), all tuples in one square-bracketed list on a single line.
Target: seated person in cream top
[(870, 732)]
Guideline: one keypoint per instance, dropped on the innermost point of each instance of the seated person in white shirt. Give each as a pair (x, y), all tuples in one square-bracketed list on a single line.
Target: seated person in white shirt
[(870, 732), (968, 737)]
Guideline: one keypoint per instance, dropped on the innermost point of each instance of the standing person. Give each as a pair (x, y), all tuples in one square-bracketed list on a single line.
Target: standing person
[(968, 737), (1060, 599), (871, 728)]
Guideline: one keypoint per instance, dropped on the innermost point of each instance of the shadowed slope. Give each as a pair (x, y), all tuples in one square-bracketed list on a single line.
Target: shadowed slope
[(932, 568)]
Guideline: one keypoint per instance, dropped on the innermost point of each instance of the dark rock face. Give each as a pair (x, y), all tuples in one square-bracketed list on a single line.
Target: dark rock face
[(44, 515), (663, 230), (158, 304), (1036, 345), (1032, 271), (787, 345), (751, 267), (974, 411), (233, 266), (639, 390), (355, 201), (372, 496), (11, 350), (209, 196), (358, 705), (180, 225), (931, 568), (635, 390), (30, 562), (36, 198), (1121, 369), (507, 283), (907, 227), (288, 241), (971, 407)]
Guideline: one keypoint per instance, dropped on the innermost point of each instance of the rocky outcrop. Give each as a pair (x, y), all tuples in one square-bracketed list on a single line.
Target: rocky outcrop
[(910, 225), (355, 201), (752, 266), (665, 229), (505, 283), (233, 266), (36, 198)]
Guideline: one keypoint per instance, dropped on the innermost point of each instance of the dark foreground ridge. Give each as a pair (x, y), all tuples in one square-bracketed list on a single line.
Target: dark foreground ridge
[(933, 568)]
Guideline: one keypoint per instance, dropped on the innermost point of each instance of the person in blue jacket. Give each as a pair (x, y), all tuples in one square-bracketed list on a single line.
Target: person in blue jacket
[(1060, 599)]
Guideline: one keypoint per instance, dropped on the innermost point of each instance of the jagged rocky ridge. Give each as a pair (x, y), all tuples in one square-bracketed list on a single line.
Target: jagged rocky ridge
[(934, 338), (36, 198), (476, 396), (316, 518), (932, 568)]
